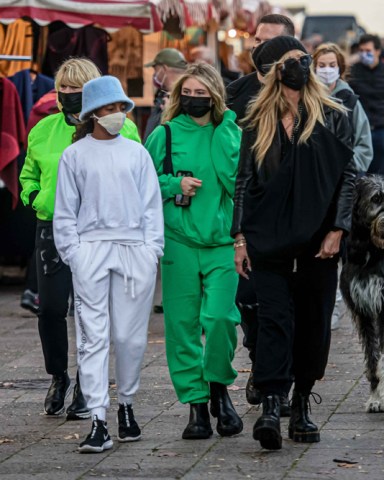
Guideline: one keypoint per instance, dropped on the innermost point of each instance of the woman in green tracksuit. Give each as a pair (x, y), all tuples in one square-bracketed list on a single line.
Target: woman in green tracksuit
[(198, 276)]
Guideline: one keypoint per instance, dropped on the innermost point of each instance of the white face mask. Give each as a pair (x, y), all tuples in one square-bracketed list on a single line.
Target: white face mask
[(328, 75), (112, 123)]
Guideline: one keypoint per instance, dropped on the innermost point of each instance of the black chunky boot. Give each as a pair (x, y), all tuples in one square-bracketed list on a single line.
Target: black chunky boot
[(228, 421), (57, 393), (78, 410), (199, 426), (267, 428), (301, 428)]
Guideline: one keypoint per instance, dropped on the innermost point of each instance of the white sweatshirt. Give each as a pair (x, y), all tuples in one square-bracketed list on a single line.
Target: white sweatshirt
[(107, 190)]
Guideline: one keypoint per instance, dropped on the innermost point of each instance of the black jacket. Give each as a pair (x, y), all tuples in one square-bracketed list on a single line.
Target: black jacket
[(368, 83), (339, 214), (240, 92)]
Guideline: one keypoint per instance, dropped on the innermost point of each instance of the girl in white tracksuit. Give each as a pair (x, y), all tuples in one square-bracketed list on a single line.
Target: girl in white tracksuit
[(108, 227)]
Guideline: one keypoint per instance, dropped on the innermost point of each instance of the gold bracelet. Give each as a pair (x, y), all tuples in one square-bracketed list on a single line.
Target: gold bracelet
[(241, 239), (239, 244)]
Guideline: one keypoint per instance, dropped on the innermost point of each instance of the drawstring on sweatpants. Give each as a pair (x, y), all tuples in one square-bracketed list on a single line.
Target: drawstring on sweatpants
[(126, 261)]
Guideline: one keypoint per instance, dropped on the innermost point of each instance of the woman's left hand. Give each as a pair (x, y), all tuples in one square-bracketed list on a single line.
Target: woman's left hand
[(330, 246)]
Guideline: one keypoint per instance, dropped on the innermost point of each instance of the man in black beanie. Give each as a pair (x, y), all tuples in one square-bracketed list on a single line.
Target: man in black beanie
[(239, 93)]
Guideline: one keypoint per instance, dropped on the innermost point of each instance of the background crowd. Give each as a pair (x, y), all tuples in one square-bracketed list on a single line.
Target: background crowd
[(281, 200)]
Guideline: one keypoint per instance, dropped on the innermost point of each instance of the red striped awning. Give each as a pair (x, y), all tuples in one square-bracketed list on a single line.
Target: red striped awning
[(108, 14)]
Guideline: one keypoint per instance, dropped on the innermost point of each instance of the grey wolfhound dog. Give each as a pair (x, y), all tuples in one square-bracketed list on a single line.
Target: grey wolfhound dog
[(362, 280)]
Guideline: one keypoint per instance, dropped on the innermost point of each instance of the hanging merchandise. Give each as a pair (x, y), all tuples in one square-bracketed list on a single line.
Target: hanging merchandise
[(31, 86), (18, 40), (64, 42), (47, 105), (125, 54), (12, 135)]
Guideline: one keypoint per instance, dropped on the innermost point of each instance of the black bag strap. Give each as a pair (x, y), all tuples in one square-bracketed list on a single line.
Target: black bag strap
[(168, 166)]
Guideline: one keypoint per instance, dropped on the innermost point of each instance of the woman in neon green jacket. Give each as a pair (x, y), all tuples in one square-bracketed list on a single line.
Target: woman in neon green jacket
[(46, 142), (199, 280)]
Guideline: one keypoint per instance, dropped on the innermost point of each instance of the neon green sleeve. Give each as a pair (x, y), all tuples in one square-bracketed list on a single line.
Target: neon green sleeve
[(30, 173), (130, 131)]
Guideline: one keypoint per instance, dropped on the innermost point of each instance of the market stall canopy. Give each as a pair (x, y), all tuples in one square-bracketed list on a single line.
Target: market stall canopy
[(108, 14)]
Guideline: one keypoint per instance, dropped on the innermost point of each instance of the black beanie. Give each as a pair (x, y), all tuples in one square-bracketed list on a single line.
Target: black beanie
[(272, 50)]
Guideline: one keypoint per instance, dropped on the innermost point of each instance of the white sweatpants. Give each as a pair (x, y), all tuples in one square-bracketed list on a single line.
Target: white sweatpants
[(114, 286)]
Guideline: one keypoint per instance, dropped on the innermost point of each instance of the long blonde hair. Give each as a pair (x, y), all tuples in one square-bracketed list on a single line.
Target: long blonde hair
[(210, 78), (264, 111)]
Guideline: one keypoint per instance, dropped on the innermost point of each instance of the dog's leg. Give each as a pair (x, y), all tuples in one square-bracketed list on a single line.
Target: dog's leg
[(371, 346)]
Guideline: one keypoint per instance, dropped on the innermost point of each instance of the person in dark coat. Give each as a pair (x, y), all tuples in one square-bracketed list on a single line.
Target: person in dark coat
[(239, 93), (292, 207), (367, 81)]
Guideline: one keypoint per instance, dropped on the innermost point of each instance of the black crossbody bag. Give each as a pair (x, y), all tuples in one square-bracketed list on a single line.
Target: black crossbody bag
[(180, 200)]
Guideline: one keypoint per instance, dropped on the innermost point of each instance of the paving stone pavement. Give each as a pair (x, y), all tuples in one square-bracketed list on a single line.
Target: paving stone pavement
[(34, 446)]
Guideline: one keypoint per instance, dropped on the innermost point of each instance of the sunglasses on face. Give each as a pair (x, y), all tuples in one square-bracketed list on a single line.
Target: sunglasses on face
[(305, 61)]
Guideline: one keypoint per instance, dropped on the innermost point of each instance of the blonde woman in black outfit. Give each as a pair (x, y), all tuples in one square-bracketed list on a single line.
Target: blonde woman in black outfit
[(292, 207)]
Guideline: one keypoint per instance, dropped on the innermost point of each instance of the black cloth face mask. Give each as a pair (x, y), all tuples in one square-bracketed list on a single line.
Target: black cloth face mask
[(71, 103), (295, 73), (195, 106)]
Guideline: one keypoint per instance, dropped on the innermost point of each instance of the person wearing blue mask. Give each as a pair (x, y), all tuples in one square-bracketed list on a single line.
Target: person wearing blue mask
[(367, 81)]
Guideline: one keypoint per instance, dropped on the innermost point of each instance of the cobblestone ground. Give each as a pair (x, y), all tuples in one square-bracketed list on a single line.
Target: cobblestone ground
[(34, 446)]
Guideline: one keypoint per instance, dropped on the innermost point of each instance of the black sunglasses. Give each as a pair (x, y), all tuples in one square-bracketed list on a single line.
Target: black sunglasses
[(305, 61)]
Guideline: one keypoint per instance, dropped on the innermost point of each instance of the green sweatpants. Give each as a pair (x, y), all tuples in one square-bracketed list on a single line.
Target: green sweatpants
[(199, 288)]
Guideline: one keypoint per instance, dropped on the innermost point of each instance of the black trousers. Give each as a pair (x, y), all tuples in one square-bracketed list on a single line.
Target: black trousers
[(294, 322), (31, 277), (54, 283), (246, 302)]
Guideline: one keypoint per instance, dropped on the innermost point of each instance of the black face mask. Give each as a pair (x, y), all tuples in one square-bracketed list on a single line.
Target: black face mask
[(195, 106), (295, 73), (71, 102)]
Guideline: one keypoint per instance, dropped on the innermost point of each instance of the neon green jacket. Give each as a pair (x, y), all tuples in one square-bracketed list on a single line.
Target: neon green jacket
[(46, 142), (212, 155)]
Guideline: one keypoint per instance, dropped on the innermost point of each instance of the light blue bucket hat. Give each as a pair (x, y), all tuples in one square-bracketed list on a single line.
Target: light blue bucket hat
[(103, 91)]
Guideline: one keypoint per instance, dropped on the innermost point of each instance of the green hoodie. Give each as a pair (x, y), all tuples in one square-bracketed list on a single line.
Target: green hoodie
[(212, 155), (46, 142)]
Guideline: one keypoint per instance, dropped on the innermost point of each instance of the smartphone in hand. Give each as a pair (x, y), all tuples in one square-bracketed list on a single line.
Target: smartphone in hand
[(180, 199)]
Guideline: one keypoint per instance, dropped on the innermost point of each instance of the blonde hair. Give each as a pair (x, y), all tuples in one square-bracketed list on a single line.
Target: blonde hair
[(75, 72), (264, 111), (329, 47), (210, 78)]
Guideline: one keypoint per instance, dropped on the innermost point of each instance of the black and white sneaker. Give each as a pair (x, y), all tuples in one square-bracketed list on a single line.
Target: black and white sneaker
[(98, 440), (129, 430)]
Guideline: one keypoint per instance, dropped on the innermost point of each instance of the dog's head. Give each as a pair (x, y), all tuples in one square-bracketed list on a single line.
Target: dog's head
[(368, 210)]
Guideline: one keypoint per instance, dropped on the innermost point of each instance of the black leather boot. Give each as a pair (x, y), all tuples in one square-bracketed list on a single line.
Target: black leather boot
[(267, 428), (301, 428), (78, 410), (57, 393), (228, 421), (199, 426), (252, 394)]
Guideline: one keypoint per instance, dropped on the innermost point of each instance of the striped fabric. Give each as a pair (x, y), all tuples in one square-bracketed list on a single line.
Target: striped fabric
[(108, 14)]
